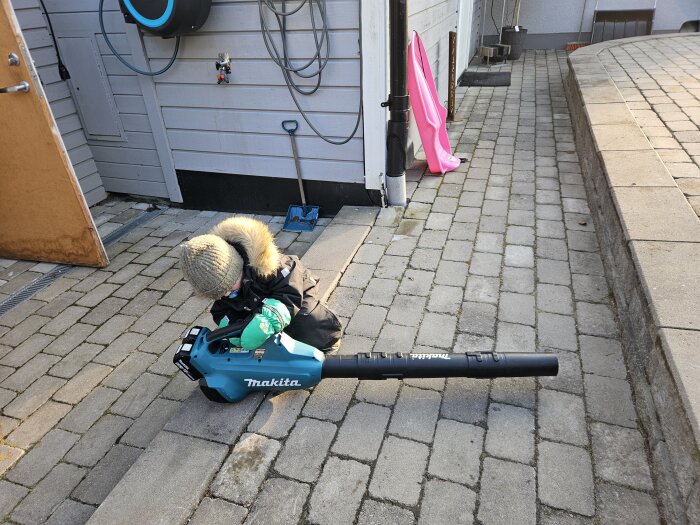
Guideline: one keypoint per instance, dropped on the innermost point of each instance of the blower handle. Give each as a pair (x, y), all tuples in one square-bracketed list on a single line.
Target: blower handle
[(232, 330)]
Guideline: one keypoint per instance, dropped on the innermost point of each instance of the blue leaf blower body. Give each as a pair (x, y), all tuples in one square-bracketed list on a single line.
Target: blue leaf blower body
[(228, 374)]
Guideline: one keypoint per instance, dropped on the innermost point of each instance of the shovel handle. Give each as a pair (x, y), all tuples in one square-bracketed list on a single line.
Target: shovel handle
[(290, 126)]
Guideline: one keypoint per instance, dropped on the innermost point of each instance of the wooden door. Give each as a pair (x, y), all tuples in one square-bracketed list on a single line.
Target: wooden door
[(43, 214)]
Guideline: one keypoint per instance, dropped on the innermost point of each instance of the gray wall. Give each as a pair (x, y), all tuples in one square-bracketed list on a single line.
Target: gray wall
[(38, 39), (236, 128), (433, 20), (551, 23), (128, 161)]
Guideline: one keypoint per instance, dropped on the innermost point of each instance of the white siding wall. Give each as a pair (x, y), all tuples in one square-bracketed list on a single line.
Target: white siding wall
[(236, 128), (130, 164), (433, 20), (38, 39)]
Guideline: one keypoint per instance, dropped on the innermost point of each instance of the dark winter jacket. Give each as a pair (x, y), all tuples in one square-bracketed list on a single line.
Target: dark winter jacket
[(292, 283)]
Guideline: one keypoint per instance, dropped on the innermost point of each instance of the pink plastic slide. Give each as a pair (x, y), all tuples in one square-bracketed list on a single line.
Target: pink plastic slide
[(430, 115)]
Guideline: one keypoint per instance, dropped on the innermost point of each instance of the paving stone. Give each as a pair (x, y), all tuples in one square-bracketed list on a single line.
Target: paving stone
[(37, 425), (556, 331), (378, 513), (64, 320), (152, 421), (552, 249), (514, 338), (445, 502), (218, 512), (119, 349), (507, 494), (445, 299), (139, 395), (620, 456), (456, 452), (555, 299), (602, 357), (280, 502), (112, 329), (71, 513), (511, 433), (8, 457), (518, 280), (437, 330), (69, 340), (399, 471), (343, 301), (42, 458), (553, 272), (560, 517), (338, 493), (48, 494), (357, 275), (24, 352), (489, 242), (415, 414), (380, 292), (103, 478), (382, 392), (519, 256), (596, 319), (6, 396), (406, 310), (278, 413), (179, 388), (76, 360), (330, 399), (36, 395), (129, 370), (565, 478), (482, 289), (311, 440), (465, 399), (36, 367), (478, 318), (618, 505), (97, 295), (98, 440), (562, 417), (518, 391), (89, 410), (10, 495), (416, 282), (146, 493), (24, 330), (367, 321), (486, 264), (82, 384), (220, 422), (394, 337), (244, 471), (522, 235), (609, 400), (517, 308), (362, 431), (591, 288)]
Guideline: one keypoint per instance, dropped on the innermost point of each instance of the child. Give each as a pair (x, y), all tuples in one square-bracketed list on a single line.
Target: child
[(239, 266)]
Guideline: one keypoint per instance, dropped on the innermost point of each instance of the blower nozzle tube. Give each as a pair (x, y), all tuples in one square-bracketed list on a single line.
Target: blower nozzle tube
[(380, 365)]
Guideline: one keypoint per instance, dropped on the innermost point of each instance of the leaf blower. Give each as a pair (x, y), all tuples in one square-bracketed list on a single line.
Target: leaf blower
[(228, 374)]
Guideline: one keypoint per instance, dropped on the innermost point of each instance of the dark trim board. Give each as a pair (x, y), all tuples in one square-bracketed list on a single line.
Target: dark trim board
[(267, 195)]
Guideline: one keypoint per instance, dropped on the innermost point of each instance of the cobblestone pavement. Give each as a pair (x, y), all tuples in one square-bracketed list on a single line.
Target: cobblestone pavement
[(500, 255), (86, 373), (660, 81)]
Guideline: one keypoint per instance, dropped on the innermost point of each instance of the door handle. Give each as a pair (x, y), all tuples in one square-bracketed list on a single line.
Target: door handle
[(21, 87)]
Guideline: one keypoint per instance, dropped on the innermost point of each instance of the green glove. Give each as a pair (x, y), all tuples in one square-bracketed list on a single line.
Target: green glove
[(235, 341), (273, 318)]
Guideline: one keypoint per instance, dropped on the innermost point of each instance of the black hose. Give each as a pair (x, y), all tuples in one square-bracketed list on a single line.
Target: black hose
[(121, 59), (62, 69), (320, 56)]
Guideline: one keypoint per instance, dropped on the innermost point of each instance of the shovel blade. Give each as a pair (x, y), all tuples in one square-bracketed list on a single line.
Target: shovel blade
[(301, 218)]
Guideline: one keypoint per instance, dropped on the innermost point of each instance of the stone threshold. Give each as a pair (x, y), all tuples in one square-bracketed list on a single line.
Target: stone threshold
[(650, 238), (167, 482)]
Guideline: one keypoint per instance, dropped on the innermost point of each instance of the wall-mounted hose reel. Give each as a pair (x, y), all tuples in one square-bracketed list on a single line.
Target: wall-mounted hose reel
[(167, 18)]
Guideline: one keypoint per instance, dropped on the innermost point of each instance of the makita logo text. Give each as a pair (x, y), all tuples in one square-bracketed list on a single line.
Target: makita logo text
[(282, 381), (429, 356)]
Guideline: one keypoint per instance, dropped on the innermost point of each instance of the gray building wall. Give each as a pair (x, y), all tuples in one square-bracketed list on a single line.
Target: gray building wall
[(553, 23), (36, 33), (127, 159), (433, 20), (236, 128)]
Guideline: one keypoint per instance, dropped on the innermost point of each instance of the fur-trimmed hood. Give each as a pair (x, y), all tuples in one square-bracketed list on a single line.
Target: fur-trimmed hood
[(256, 240)]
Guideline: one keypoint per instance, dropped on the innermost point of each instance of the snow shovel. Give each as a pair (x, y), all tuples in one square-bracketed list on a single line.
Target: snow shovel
[(300, 218)]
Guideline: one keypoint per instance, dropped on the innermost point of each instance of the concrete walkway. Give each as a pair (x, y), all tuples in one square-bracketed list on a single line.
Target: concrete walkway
[(500, 255)]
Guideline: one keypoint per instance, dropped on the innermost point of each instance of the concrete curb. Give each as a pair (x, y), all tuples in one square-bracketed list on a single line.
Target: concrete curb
[(167, 482), (650, 237)]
